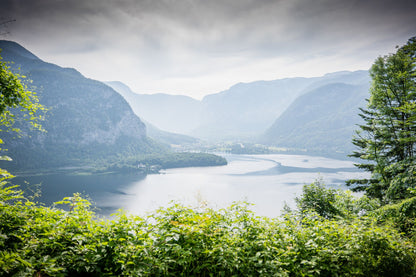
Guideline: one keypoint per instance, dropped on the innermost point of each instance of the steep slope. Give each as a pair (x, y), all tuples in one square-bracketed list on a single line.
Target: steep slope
[(87, 120), (168, 137), (172, 113), (322, 120), (246, 110)]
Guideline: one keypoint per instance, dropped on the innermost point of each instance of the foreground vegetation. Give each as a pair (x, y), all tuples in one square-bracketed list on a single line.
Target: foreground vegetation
[(353, 237)]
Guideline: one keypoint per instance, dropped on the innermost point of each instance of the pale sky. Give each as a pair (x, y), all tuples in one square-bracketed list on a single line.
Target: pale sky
[(199, 47)]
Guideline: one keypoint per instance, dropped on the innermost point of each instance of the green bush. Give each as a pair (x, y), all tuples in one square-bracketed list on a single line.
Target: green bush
[(402, 215), (67, 239), (333, 203)]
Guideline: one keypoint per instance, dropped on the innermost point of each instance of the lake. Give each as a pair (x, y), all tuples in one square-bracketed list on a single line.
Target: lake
[(267, 181)]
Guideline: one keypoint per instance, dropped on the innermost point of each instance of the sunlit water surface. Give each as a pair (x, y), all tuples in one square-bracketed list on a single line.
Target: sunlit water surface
[(267, 181)]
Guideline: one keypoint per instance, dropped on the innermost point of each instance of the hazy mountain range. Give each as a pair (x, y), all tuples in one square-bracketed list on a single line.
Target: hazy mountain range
[(249, 109), (172, 113), (88, 119), (317, 114)]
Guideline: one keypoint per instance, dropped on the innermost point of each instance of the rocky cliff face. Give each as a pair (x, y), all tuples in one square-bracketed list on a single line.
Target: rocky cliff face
[(86, 121)]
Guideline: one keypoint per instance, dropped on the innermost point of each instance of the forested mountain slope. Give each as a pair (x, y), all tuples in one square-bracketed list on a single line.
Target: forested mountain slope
[(86, 120), (322, 120)]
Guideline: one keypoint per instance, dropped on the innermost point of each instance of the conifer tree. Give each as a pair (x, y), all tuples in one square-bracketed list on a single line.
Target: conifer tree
[(386, 141)]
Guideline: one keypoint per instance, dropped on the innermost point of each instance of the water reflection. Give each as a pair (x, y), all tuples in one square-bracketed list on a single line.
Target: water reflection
[(106, 192)]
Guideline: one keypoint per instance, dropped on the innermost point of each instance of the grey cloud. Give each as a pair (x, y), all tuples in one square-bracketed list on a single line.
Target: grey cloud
[(175, 38), (212, 25)]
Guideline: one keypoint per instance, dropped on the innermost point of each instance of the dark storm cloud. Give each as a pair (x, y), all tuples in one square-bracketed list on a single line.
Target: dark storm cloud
[(159, 36)]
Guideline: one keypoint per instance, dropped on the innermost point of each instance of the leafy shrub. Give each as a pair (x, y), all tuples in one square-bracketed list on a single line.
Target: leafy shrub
[(402, 215), (333, 203), (185, 241)]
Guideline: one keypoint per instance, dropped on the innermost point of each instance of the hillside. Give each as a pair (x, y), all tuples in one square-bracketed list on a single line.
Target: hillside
[(168, 137), (247, 110), (322, 120), (87, 121)]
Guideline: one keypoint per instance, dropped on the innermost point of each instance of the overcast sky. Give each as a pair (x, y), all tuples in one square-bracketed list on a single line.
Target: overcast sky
[(198, 47)]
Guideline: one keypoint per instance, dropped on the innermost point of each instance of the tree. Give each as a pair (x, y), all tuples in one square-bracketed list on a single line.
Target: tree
[(331, 203), (16, 102), (15, 99), (386, 141)]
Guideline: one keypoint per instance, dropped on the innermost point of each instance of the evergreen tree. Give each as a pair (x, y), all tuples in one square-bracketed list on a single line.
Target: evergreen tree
[(386, 142)]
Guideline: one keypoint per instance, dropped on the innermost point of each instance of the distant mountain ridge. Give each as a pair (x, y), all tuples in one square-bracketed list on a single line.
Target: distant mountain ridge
[(243, 112), (87, 121), (322, 120), (172, 113), (249, 109)]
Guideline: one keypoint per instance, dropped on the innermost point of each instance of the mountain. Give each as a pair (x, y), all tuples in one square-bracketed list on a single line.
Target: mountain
[(150, 106), (172, 113), (169, 138), (87, 120), (244, 111), (322, 120), (248, 109)]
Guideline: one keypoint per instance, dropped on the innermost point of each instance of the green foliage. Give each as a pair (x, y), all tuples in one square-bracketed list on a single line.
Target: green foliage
[(182, 159), (386, 141), (16, 98), (185, 241), (332, 203), (402, 215), (152, 163)]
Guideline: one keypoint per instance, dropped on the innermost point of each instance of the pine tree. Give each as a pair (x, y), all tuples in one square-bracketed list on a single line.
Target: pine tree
[(386, 142)]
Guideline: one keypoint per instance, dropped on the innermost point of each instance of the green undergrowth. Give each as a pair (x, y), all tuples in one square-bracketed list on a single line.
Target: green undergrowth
[(402, 215), (68, 239)]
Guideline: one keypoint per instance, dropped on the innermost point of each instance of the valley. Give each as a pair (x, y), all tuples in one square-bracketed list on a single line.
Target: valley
[(108, 127)]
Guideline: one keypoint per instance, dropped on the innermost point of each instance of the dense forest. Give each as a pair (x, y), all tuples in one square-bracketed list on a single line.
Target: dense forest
[(152, 163), (329, 233)]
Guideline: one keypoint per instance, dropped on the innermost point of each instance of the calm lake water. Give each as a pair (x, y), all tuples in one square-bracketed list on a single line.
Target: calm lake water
[(267, 181)]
